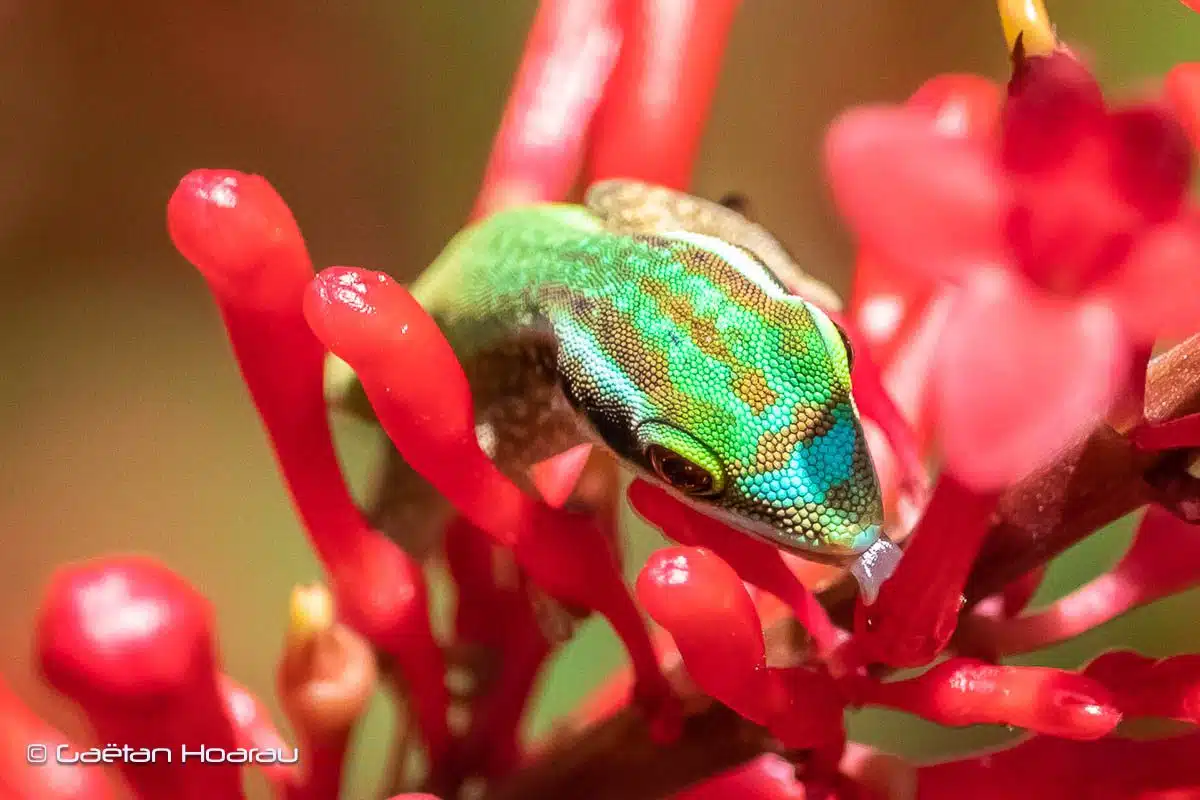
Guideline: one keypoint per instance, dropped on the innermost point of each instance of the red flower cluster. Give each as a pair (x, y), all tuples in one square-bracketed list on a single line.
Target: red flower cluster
[(1021, 251)]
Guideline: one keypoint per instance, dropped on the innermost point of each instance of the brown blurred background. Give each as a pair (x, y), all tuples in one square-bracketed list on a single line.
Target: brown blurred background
[(125, 425)]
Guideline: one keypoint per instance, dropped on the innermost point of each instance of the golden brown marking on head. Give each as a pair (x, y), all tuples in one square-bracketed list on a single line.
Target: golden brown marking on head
[(751, 387), (774, 450)]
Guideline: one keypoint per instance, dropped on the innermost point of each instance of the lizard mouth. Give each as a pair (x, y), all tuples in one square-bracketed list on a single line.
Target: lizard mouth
[(833, 555)]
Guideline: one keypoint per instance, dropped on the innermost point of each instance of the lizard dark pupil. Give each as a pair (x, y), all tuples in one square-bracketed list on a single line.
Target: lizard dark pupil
[(679, 472)]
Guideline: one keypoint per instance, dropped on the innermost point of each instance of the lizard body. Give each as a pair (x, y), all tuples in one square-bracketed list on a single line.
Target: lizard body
[(656, 324)]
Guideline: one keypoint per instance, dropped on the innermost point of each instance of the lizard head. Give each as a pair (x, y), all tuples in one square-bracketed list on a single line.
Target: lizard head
[(705, 375)]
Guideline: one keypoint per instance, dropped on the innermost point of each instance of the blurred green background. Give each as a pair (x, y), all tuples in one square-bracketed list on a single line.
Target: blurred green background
[(126, 426)]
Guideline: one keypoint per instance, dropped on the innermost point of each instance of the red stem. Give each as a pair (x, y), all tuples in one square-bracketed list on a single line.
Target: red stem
[(538, 150), (650, 125)]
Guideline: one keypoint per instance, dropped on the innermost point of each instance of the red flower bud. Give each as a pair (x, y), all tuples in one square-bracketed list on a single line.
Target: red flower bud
[(381, 331), (649, 125), (131, 643), (964, 691), (241, 236), (767, 777), (253, 728), (1183, 93), (701, 601), (568, 56), (754, 561)]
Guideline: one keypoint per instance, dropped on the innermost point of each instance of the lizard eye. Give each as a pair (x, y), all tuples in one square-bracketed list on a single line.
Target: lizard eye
[(679, 472)]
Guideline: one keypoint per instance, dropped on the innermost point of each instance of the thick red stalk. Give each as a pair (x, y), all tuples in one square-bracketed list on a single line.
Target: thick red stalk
[(131, 643), (383, 333), (568, 57), (754, 561), (917, 609), (241, 236), (495, 621), (22, 777), (651, 121), (496, 719)]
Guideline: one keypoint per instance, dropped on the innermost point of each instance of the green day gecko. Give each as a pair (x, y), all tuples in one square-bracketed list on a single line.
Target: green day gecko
[(657, 325)]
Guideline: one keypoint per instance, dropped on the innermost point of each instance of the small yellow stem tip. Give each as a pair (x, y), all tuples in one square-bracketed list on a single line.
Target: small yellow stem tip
[(310, 613), (1029, 20)]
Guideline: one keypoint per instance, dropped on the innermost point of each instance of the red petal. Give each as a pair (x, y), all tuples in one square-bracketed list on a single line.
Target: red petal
[(555, 478), (1020, 375), (1183, 93), (920, 199), (1152, 160), (966, 106), (1157, 291), (1054, 104)]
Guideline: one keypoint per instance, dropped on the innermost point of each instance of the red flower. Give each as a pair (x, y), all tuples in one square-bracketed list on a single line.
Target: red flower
[(1070, 239)]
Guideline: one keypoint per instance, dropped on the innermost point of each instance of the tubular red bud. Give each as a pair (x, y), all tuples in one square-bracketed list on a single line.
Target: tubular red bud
[(253, 728), (652, 118), (239, 233), (381, 331), (701, 601), (767, 777), (964, 691), (568, 57), (1183, 93), (754, 561), (131, 643)]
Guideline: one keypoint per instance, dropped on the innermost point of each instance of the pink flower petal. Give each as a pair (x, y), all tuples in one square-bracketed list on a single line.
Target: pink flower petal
[(917, 197), (1157, 291), (1020, 375)]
